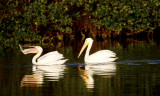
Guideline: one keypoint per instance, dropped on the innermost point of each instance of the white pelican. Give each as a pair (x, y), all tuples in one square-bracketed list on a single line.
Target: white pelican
[(102, 56), (48, 59)]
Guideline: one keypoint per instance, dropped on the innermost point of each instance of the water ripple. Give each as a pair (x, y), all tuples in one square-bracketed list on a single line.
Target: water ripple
[(138, 62)]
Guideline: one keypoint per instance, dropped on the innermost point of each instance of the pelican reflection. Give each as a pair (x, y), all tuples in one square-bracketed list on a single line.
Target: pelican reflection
[(89, 70), (31, 81), (51, 73), (42, 74)]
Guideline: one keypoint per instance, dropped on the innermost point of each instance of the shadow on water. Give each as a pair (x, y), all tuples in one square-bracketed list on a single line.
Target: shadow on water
[(136, 71)]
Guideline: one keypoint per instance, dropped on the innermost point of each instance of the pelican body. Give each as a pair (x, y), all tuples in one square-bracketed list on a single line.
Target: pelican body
[(102, 56), (48, 59)]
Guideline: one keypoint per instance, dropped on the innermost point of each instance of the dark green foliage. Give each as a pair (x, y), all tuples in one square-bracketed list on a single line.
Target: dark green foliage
[(134, 14), (30, 20)]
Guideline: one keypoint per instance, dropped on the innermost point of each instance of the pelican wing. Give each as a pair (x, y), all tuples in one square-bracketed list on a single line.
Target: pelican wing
[(102, 56), (103, 53), (50, 57)]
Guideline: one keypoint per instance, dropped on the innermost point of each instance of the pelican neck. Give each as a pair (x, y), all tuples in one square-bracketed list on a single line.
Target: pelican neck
[(88, 50), (34, 59)]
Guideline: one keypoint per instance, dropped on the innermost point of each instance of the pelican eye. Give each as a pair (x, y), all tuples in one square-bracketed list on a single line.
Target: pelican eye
[(86, 41)]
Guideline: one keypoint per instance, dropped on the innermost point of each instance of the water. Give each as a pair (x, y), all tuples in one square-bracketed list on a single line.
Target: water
[(134, 73)]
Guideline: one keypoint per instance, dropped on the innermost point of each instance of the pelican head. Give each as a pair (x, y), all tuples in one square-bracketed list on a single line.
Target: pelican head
[(87, 42), (39, 49)]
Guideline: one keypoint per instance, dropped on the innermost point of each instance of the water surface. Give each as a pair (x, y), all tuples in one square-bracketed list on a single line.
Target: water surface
[(135, 72)]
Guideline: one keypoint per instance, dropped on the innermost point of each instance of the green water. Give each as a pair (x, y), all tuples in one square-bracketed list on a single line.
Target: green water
[(134, 73)]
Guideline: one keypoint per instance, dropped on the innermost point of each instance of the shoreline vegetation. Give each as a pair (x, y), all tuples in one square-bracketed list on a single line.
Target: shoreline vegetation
[(28, 21)]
